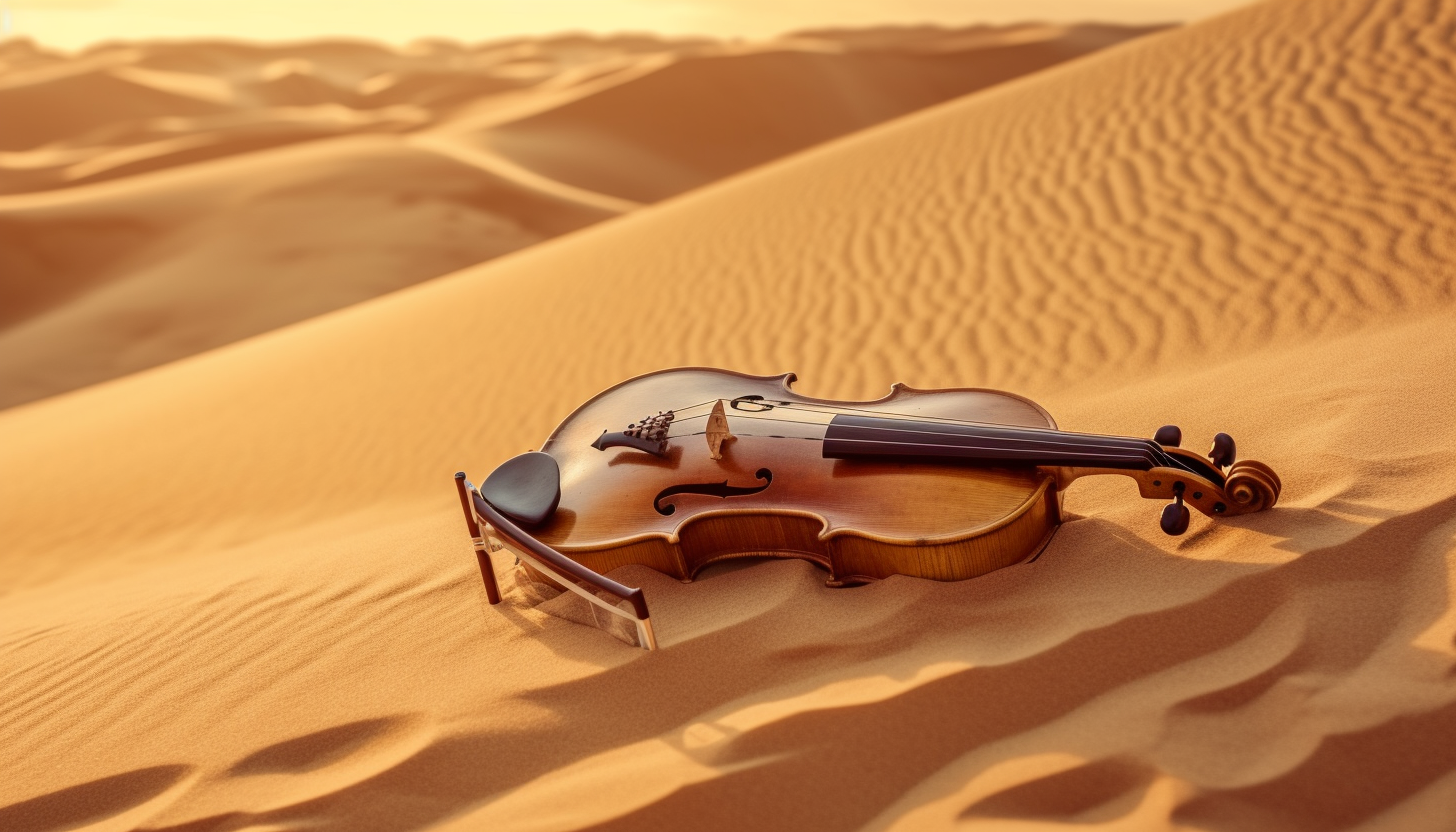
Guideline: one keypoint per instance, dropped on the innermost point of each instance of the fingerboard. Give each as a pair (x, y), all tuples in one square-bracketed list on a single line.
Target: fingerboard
[(857, 437)]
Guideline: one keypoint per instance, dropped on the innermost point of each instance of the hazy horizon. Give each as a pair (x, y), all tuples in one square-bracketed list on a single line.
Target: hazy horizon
[(76, 24)]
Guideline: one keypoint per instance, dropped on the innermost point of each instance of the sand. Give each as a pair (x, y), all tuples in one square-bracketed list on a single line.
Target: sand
[(161, 199), (238, 592)]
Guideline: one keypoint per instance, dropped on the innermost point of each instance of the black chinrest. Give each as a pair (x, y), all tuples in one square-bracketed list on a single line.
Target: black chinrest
[(525, 488)]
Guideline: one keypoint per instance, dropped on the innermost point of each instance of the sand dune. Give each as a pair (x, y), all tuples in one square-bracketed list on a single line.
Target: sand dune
[(238, 593), (159, 185), (118, 276), (710, 115)]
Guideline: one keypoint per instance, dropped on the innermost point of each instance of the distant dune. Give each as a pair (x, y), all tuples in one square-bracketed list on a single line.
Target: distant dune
[(712, 114), (238, 592), (161, 199)]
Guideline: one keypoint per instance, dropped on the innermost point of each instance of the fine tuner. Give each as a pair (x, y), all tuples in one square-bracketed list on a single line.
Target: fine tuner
[(940, 484)]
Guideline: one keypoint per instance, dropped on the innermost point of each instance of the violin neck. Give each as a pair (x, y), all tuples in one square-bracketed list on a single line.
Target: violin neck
[(863, 437)]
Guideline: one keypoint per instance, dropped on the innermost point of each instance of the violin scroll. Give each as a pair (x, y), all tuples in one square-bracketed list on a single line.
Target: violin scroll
[(1251, 486)]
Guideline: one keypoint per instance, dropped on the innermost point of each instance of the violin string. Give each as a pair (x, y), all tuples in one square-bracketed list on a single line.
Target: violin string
[(843, 409), (1128, 456), (1143, 448), (1160, 457), (971, 423), (939, 433), (840, 409), (1153, 458), (1149, 452), (1094, 443)]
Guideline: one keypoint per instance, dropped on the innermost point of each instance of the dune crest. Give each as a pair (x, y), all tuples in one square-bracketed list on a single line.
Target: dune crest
[(161, 199), (252, 560)]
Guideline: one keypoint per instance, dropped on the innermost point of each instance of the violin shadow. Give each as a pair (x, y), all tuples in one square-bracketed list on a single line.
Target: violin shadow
[(671, 460), (1294, 529), (1302, 530), (728, 566), (1360, 509), (1161, 628), (913, 679)]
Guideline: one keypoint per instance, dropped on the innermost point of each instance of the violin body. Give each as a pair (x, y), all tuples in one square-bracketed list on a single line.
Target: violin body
[(858, 520), (755, 480)]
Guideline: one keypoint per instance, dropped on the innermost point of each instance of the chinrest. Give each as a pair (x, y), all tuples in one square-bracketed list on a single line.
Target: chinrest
[(526, 488)]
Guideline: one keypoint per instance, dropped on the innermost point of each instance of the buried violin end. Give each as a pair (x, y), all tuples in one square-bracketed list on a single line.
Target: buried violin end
[(1175, 518)]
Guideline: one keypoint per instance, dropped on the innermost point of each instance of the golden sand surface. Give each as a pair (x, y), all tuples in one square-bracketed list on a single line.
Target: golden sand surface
[(161, 199), (238, 593)]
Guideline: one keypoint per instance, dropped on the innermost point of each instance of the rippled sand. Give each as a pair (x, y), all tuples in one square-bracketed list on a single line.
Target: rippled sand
[(161, 199), (240, 594)]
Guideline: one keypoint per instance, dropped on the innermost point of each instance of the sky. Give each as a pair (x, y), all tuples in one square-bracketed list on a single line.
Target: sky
[(72, 24)]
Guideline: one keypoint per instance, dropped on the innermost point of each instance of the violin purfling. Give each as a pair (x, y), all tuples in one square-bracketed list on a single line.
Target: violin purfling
[(677, 469)]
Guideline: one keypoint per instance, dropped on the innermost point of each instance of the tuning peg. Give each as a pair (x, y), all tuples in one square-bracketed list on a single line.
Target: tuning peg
[(1175, 518), (1175, 514), (1169, 436), (1222, 453)]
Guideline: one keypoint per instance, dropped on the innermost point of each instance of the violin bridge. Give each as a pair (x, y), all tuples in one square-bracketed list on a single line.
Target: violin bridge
[(718, 432)]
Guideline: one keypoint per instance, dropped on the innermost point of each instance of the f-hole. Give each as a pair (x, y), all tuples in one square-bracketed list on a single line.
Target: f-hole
[(710, 489)]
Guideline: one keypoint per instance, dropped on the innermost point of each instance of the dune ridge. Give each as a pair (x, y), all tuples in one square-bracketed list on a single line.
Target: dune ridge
[(161, 199), (1243, 225)]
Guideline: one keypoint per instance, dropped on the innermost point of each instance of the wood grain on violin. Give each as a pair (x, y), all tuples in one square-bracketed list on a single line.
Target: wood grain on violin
[(941, 484)]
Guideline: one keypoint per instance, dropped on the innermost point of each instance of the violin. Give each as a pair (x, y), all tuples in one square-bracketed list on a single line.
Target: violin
[(681, 468)]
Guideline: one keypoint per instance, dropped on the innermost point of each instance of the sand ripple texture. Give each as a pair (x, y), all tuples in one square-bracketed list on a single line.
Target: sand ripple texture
[(161, 199), (237, 594)]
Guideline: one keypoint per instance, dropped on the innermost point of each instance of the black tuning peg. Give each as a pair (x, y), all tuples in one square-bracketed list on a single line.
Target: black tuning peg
[(1222, 453), (1169, 436), (1175, 514)]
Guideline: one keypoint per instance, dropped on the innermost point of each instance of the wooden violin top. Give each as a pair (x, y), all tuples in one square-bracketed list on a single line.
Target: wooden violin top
[(609, 495)]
